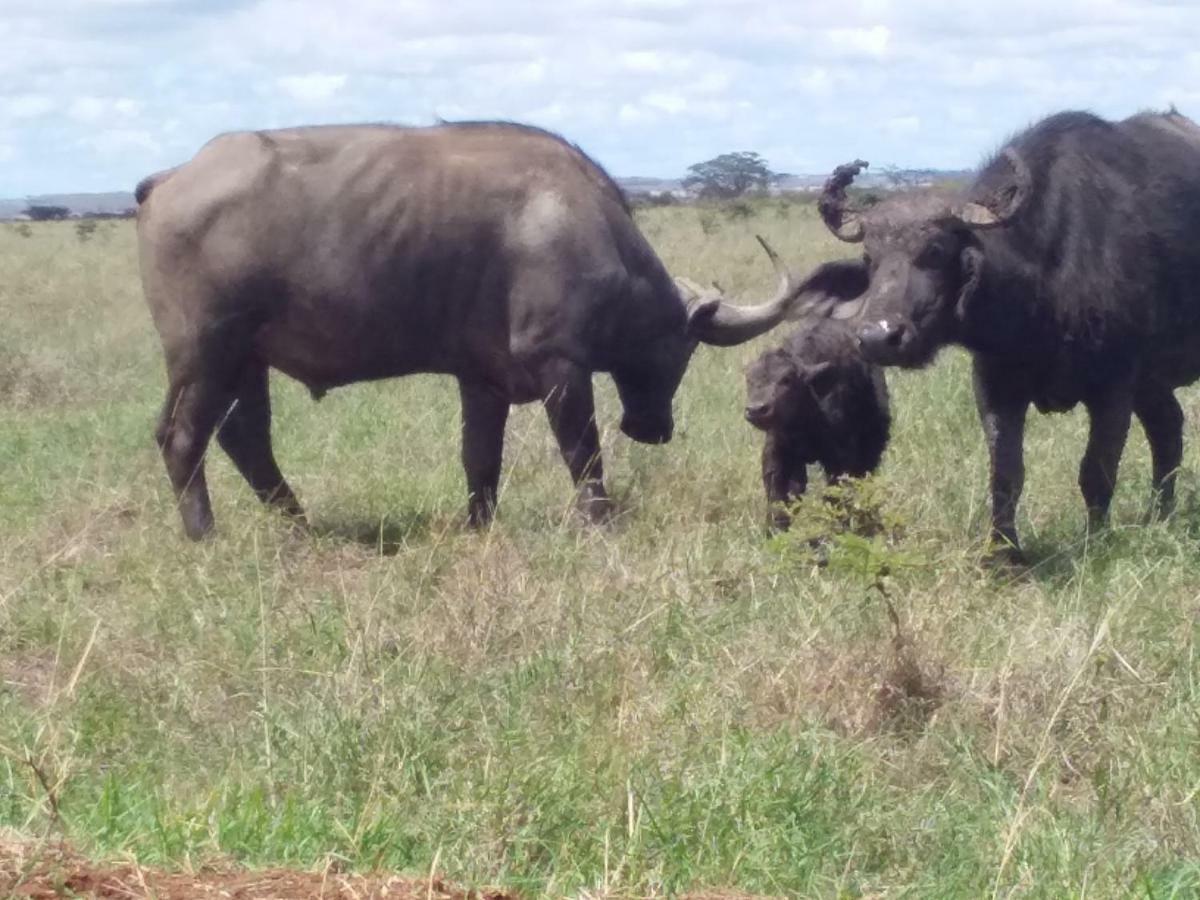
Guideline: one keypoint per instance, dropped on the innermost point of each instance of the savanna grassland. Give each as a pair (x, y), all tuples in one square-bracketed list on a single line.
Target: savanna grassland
[(673, 703)]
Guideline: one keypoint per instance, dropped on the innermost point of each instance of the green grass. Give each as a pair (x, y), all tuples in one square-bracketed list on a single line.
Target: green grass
[(668, 704)]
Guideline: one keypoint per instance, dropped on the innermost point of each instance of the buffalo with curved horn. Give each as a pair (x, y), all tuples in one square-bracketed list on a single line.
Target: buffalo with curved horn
[(1070, 268), (495, 253)]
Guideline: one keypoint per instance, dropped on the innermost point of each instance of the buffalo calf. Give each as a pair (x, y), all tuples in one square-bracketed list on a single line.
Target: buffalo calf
[(818, 402)]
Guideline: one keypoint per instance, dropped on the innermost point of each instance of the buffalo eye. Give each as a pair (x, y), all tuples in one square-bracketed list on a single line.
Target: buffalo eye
[(788, 377), (934, 255)]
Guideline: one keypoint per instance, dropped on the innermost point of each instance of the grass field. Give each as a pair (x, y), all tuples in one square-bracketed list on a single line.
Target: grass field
[(669, 704)]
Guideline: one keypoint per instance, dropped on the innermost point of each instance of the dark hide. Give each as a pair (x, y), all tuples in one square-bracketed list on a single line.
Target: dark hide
[(1071, 269), (818, 402)]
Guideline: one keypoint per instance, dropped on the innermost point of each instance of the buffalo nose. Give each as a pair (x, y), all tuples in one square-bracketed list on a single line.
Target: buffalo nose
[(757, 412), (881, 334)]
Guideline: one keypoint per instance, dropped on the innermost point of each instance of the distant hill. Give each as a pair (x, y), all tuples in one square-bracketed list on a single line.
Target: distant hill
[(79, 204)]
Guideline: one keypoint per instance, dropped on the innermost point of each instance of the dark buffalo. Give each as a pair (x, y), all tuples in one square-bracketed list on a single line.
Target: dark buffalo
[(496, 253), (818, 402), (1070, 269)]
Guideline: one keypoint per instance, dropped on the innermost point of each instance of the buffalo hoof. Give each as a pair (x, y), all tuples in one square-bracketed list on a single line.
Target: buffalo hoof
[(1097, 521), (297, 521), (597, 510), (1006, 558), (778, 522), (198, 529), (593, 503), (480, 516)]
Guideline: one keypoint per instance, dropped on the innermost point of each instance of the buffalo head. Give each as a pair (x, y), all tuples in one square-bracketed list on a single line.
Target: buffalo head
[(648, 373), (922, 261)]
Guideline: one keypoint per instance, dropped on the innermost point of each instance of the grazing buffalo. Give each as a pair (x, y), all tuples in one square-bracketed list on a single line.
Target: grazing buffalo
[(1070, 269), (818, 402), (493, 252)]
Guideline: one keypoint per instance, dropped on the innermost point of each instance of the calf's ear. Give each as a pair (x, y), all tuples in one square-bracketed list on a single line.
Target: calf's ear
[(821, 377), (971, 265)]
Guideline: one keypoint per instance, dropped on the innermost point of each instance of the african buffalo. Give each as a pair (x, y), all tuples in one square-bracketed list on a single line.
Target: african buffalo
[(1070, 269), (496, 253), (818, 401)]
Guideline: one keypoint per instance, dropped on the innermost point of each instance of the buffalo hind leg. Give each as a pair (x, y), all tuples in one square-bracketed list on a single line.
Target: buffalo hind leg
[(484, 415), (245, 435), (1107, 431), (1003, 420), (190, 414), (570, 406), (1162, 420)]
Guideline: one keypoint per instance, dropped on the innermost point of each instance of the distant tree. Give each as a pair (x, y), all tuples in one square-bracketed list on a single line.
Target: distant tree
[(901, 179), (729, 175), (40, 213)]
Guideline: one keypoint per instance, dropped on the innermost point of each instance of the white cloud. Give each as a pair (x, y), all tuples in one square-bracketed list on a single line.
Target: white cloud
[(666, 101), (120, 141), (26, 106), (903, 124), (314, 87), (87, 109), (711, 82), (646, 86), (549, 114), (510, 74), (630, 114), (816, 81), (871, 42), (90, 109), (643, 61)]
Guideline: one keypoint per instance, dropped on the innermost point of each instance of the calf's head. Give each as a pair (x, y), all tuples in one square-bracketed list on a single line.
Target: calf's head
[(781, 391), (923, 260)]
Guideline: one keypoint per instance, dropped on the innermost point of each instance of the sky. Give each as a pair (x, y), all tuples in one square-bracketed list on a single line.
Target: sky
[(95, 94)]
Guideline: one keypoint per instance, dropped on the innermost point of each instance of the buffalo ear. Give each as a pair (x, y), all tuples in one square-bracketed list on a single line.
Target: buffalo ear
[(821, 377), (971, 262), (834, 289), (977, 215), (1002, 192)]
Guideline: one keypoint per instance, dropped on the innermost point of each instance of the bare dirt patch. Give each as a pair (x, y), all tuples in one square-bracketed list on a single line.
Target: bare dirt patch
[(47, 871), (29, 676), (53, 871)]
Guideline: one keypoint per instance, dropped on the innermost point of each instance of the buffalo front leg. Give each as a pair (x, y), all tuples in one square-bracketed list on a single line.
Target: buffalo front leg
[(185, 426), (245, 436), (1108, 428), (567, 397), (1162, 420), (783, 481), (484, 415), (1003, 420)]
